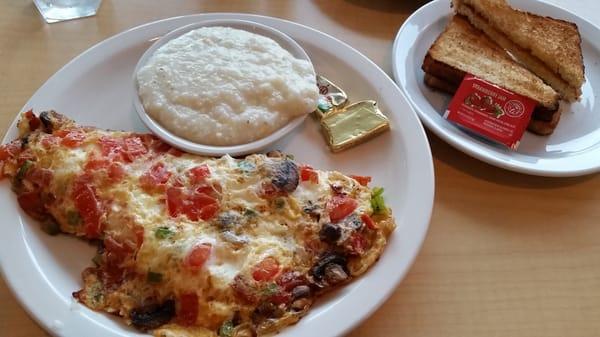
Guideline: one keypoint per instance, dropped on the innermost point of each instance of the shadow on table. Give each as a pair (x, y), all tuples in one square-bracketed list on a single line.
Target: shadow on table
[(407, 6), (373, 11), (478, 169)]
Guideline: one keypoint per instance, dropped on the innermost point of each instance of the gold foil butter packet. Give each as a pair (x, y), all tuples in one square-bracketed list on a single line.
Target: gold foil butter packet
[(331, 97), (355, 124)]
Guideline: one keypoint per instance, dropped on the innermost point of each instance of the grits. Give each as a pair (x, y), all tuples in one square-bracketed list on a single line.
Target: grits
[(224, 86)]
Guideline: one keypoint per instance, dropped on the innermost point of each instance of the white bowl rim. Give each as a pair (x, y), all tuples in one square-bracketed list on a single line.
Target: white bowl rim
[(167, 136)]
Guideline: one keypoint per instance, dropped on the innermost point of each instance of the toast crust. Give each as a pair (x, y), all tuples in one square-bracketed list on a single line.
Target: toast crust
[(556, 43)]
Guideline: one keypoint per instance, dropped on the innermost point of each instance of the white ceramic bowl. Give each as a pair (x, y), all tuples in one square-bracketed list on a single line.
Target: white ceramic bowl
[(282, 39)]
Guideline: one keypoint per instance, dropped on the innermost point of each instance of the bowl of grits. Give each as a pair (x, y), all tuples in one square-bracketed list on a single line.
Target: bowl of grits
[(224, 87)]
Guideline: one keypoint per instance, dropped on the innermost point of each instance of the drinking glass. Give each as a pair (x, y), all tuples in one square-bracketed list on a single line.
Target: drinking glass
[(61, 10)]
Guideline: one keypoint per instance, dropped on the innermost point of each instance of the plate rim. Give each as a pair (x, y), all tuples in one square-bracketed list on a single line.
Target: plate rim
[(465, 143), (421, 156)]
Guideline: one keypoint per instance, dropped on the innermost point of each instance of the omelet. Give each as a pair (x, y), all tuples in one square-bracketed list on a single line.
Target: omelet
[(191, 245)]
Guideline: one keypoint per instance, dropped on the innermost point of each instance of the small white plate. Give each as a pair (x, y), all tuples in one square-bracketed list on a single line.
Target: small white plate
[(574, 147), (282, 39), (95, 89)]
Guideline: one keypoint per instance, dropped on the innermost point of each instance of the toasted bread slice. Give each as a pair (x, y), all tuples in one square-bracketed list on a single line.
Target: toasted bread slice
[(537, 126), (463, 48), (548, 47)]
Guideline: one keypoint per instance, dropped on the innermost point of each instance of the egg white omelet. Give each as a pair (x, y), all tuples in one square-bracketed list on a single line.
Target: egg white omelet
[(190, 245)]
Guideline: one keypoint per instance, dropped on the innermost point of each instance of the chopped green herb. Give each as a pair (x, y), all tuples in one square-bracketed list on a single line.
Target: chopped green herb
[(226, 330), (289, 156), (97, 259), (163, 233), (98, 298), (50, 227), (250, 212), (73, 218), (246, 166), (271, 289), (22, 172), (377, 201), (153, 277), (279, 203)]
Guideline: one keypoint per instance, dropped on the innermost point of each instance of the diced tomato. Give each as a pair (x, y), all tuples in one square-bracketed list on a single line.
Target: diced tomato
[(153, 143), (33, 120), (39, 176), (199, 173), (175, 152), (116, 172), (195, 205), (290, 280), (187, 313), (266, 270), (307, 173), (94, 164), (368, 221), (116, 253), (70, 138), (175, 201), (207, 189), (358, 244), (340, 206), (10, 150), (209, 211), (157, 175), (245, 289), (280, 297), (138, 231), (111, 148), (89, 207), (200, 206), (134, 147), (363, 180), (162, 147), (198, 255), (269, 191), (49, 141), (32, 204)]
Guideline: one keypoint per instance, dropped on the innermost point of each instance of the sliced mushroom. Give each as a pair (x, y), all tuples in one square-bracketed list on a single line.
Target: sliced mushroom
[(330, 233), (266, 310), (301, 304), (275, 154), (52, 120), (330, 269), (228, 220), (335, 274), (352, 222), (235, 240), (46, 120), (301, 292), (152, 316), (285, 176)]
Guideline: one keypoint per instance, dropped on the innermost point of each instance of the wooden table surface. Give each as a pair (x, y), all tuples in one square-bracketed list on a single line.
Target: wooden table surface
[(506, 254)]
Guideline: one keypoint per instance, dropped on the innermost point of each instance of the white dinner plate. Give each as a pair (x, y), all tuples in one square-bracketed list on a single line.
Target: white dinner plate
[(95, 89), (574, 147)]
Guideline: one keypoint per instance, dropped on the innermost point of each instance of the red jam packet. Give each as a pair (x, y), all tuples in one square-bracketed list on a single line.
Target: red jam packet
[(490, 111)]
